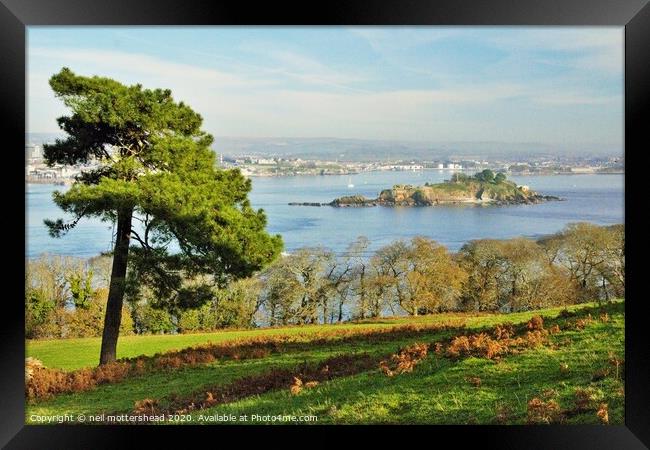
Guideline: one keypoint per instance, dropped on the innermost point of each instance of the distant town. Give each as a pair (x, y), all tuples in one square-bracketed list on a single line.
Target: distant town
[(260, 165), (278, 166)]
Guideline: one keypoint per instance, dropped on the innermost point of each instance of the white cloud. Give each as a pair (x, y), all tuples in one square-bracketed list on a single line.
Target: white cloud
[(311, 71), (576, 99), (382, 39), (590, 49), (140, 64), (295, 94)]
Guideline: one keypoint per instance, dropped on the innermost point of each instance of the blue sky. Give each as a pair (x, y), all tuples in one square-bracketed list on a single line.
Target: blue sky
[(556, 86)]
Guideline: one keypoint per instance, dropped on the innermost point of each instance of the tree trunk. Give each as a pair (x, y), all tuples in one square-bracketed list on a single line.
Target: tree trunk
[(116, 290), (362, 288)]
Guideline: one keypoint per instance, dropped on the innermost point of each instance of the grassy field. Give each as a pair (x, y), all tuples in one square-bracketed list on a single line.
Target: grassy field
[(70, 354), (438, 390)]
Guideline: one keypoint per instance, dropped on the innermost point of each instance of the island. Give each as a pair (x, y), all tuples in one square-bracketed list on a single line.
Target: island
[(483, 188)]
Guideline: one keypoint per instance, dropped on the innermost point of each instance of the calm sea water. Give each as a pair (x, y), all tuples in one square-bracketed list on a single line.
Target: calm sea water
[(593, 198)]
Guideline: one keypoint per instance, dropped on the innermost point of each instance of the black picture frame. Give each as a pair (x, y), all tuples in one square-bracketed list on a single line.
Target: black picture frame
[(634, 15)]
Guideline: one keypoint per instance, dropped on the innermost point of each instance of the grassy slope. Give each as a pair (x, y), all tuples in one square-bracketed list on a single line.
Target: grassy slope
[(70, 354), (503, 190), (436, 392)]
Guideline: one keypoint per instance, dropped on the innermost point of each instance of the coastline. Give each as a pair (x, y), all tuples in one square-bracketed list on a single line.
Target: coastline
[(52, 181), (69, 181), (471, 202), (430, 170)]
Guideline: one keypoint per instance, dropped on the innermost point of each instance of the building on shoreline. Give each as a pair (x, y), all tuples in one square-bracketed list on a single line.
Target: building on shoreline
[(33, 154)]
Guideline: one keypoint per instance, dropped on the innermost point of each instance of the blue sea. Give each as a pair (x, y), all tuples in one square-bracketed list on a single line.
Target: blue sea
[(593, 198)]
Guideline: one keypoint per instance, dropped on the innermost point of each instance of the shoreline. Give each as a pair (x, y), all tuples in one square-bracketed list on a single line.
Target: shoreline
[(55, 181), (464, 202), (622, 172), (69, 181)]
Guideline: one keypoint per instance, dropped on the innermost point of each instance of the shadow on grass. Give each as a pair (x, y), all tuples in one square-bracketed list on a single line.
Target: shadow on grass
[(440, 391)]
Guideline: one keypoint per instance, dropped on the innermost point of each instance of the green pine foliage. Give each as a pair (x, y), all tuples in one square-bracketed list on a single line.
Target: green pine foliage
[(156, 169)]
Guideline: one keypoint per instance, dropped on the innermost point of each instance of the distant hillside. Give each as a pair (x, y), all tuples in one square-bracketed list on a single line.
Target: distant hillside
[(355, 150), (377, 150)]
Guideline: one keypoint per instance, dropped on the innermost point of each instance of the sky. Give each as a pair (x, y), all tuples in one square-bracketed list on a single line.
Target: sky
[(556, 86)]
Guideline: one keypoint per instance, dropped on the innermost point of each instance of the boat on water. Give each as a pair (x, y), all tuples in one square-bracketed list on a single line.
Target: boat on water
[(350, 185)]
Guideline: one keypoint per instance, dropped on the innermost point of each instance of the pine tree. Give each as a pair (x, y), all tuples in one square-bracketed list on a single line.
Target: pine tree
[(156, 171)]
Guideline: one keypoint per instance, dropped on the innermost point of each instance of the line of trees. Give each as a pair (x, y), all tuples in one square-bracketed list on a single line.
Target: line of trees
[(66, 297), (485, 176), (584, 262)]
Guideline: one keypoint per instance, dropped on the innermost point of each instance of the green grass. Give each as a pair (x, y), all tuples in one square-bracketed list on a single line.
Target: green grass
[(436, 392), (122, 396), (70, 354), (450, 187)]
